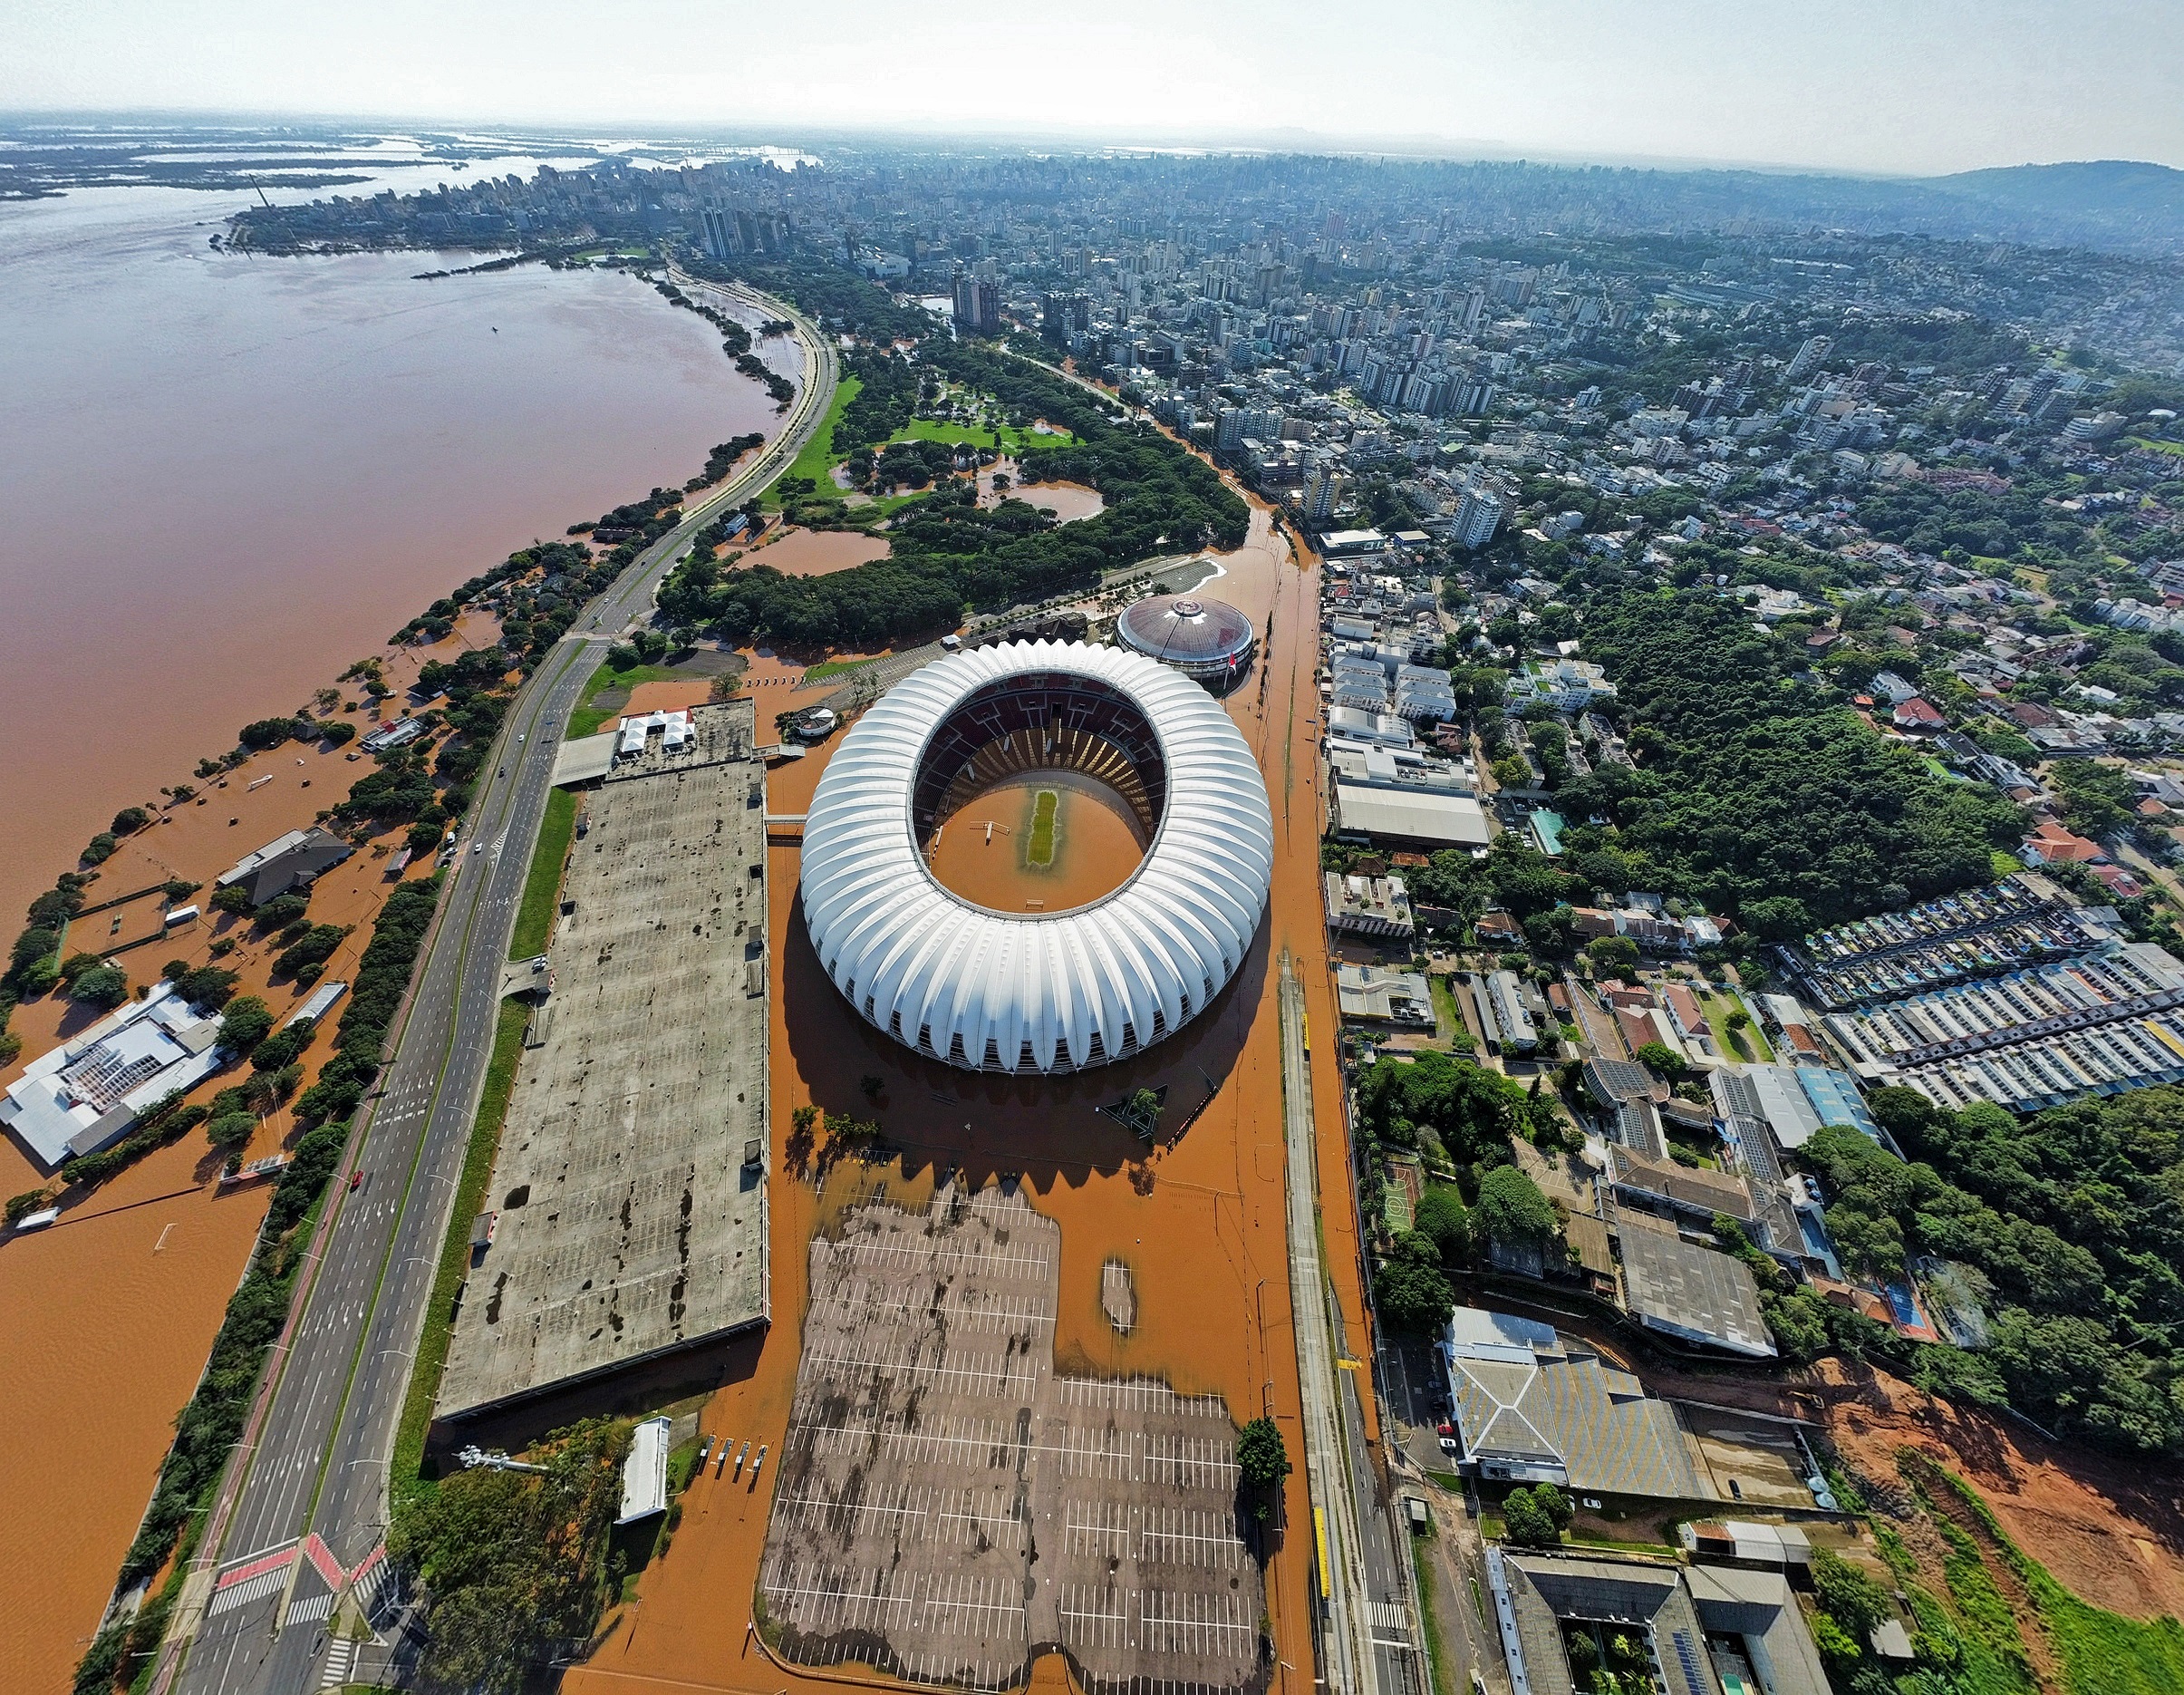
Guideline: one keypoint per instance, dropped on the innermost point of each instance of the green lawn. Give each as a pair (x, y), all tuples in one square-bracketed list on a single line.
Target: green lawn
[(535, 917), (833, 668), (1007, 439), (587, 719), (1448, 1017), (819, 457), (1429, 1626), (404, 1480), (1039, 849), (1754, 1045), (2175, 448)]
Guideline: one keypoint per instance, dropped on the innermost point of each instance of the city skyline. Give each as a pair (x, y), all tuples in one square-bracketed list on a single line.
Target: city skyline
[(1863, 89)]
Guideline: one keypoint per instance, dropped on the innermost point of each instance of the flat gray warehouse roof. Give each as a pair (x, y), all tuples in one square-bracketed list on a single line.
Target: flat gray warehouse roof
[(1438, 819), (629, 1224), (1685, 1290)]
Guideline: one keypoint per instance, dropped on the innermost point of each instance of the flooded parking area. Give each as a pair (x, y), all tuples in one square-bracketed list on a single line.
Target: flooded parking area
[(950, 1506)]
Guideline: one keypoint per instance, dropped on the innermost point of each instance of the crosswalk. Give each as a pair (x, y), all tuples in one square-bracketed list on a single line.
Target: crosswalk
[(340, 1657), (370, 1578), (243, 1593)]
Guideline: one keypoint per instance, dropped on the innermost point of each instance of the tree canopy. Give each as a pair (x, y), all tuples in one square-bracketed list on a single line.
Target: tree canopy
[(1443, 1220), (1536, 1518), (1473, 1111), (1753, 789), (1513, 1210), (513, 1565), (1262, 1461), (2074, 1218)]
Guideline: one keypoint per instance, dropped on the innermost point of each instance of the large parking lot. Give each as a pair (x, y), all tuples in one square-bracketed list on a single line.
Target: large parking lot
[(949, 1506)]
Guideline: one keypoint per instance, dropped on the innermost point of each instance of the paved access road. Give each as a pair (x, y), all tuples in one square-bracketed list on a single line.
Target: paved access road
[(1345, 1635), (314, 1488)]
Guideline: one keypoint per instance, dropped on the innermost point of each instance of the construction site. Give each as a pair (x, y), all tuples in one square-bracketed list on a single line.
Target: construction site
[(629, 1194), (949, 1505)]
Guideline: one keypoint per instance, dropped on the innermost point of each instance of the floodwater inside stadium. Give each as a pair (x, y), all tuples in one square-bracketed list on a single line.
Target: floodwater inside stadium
[(1037, 841)]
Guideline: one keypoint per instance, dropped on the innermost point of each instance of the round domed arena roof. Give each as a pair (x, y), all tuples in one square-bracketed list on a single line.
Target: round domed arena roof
[(1037, 992), (1184, 629)]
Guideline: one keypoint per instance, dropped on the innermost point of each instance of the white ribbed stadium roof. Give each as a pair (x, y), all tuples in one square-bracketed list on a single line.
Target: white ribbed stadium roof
[(1038, 992)]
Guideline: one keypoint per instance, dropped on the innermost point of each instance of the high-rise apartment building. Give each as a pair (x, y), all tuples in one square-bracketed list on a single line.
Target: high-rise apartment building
[(1808, 357), (1478, 515)]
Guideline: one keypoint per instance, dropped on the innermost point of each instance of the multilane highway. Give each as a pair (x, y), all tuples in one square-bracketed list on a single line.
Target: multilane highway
[(301, 1516)]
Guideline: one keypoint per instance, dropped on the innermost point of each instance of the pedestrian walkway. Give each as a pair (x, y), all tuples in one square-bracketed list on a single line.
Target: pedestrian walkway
[(340, 1657)]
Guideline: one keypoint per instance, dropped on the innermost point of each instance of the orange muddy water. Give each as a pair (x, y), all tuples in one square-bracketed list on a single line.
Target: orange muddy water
[(817, 552), (223, 480), (1068, 501), (224, 477), (106, 1318), (988, 851), (1198, 1219)]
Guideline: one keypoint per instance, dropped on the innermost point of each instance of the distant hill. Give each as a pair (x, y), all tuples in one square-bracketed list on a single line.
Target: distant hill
[(2118, 187), (2105, 202)]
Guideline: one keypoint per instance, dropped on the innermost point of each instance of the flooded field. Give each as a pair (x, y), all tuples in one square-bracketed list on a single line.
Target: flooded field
[(1194, 1220), (1040, 841), (106, 1318), (1068, 501), (817, 552)]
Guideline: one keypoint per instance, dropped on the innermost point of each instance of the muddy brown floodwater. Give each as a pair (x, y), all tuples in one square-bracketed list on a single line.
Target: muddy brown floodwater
[(1196, 1221), (986, 851), (1068, 501), (222, 479), (817, 552)]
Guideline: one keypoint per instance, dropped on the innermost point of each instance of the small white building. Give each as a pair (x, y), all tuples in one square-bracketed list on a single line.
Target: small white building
[(644, 1472)]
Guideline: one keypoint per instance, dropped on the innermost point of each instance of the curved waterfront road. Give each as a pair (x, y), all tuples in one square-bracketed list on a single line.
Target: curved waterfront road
[(305, 1505)]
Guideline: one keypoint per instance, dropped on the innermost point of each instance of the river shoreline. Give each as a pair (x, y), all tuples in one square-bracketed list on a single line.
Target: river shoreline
[(361, 417)]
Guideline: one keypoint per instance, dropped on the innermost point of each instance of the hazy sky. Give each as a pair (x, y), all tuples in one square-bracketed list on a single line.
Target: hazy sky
[(1885, 85)]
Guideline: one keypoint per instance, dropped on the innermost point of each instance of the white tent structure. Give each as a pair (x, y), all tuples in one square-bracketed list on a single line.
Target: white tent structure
[(1036, 993)]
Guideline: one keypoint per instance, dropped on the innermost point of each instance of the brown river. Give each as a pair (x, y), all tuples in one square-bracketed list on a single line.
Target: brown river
[(221, 479)]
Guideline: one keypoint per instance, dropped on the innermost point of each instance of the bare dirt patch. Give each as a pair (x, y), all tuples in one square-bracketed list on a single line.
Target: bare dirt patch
[(2110, 1531)]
